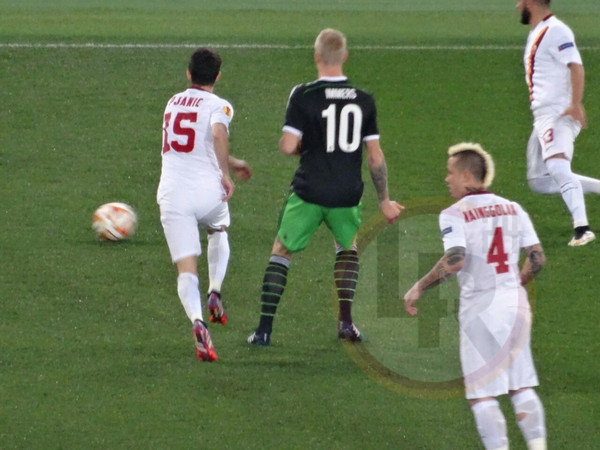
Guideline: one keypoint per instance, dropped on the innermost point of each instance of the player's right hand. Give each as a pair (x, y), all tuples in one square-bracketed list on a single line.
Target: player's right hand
[(410, 298)]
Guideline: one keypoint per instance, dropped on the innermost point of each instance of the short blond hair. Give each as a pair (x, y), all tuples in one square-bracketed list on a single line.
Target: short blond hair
[(331, 46), (473, 157)]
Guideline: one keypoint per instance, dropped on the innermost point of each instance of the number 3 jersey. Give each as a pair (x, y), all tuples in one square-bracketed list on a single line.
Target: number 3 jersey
[(189, 161), (333, 119), (493, 230)]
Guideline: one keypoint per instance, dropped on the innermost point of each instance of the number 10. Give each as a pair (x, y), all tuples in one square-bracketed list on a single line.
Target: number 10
[(348, 110)]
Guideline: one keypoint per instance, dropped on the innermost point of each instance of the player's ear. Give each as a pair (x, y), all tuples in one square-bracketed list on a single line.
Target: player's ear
[(189, 75), (345, 57), (218, 76)]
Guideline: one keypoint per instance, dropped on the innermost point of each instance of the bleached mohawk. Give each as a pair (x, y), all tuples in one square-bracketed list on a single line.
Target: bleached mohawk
[(487, 158)]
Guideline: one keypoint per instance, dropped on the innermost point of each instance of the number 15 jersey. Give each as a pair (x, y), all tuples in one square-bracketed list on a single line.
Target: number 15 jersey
[(333, 119), (188, 155), (493, 230)]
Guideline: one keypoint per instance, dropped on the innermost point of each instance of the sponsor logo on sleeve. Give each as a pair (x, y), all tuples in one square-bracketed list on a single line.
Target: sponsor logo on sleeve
[(227, 110), (446, 231), (565, 46)]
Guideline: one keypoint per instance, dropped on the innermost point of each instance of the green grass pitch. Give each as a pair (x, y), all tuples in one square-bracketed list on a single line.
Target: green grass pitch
[(96, 351)]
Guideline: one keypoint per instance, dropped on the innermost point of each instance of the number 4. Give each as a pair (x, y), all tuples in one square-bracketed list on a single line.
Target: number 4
[(496, 254)]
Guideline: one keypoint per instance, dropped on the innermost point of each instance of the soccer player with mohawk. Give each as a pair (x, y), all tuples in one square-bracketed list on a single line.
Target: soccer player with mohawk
[(483, 236)]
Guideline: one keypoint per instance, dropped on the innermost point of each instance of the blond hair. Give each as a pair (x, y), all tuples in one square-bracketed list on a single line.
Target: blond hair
[(331, 46), (473, 157)]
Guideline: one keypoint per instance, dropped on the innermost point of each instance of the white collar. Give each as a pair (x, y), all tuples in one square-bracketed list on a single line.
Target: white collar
[(340, 78)]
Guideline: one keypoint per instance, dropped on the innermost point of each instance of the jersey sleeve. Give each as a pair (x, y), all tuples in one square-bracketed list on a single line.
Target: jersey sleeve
[(223, 113), (294, 120), (563, 46), (452, 228), (527, 234), (370, 129)]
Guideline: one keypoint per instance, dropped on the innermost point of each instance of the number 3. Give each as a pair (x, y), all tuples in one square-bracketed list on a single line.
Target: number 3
[(496, 254)]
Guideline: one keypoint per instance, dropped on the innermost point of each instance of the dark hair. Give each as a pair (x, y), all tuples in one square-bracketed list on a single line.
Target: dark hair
[(204, 67), (472, 161)]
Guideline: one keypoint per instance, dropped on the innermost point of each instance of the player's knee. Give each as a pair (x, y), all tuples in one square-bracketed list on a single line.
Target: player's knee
[(491, 424), (535, 185), (559, 167), (530, 414)]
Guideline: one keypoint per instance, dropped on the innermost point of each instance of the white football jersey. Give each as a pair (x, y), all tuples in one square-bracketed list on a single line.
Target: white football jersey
[(188, 153), (493, 230), (550, 48)]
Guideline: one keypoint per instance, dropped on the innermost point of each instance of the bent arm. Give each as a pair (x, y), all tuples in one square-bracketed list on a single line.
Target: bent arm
[(444, 269), (577, 82), (575, 109), (378, 169), (240, 168), (535, 260), (221, 143), (448, 265)]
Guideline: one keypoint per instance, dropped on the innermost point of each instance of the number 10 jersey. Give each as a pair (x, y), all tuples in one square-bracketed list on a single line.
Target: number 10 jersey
[(332, 119)]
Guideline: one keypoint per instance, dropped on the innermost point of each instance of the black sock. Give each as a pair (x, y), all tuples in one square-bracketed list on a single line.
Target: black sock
[(345, 274), (273, 285)]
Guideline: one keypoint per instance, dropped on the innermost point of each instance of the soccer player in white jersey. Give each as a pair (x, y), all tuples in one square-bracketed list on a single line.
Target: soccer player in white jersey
[(555, 77), (194, 188), (483, 236)]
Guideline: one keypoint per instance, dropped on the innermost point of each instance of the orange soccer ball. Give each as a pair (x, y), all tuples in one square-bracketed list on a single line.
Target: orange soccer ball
[(114, 221)]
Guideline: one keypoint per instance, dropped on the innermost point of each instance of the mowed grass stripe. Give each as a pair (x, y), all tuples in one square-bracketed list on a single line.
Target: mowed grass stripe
[(93, 45)]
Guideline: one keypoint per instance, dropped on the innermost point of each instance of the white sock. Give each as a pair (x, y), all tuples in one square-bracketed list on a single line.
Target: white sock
[(189, 294), (530, 417), (570, 189), (547, 185), (217, 254), (491, 424), (589, 185)]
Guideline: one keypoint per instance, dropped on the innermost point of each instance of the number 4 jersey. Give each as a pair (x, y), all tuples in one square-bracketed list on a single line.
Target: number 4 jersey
[(333, 119), (493, 230), (188, 155)]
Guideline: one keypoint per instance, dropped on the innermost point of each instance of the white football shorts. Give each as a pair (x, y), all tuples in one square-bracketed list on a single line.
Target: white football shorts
[(552, 134), (182, 214), (494, 350)]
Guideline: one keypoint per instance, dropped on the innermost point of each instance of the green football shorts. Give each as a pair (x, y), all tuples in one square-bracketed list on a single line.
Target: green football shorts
[(299, 220)]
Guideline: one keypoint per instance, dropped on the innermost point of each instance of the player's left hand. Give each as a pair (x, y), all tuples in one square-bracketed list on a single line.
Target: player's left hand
[(228, 185), (577, 113), (391, 210), (410, 298)]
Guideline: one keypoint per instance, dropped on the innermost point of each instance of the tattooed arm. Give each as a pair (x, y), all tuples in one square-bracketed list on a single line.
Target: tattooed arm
[(445, 268), (533, 263), (378, 168)]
